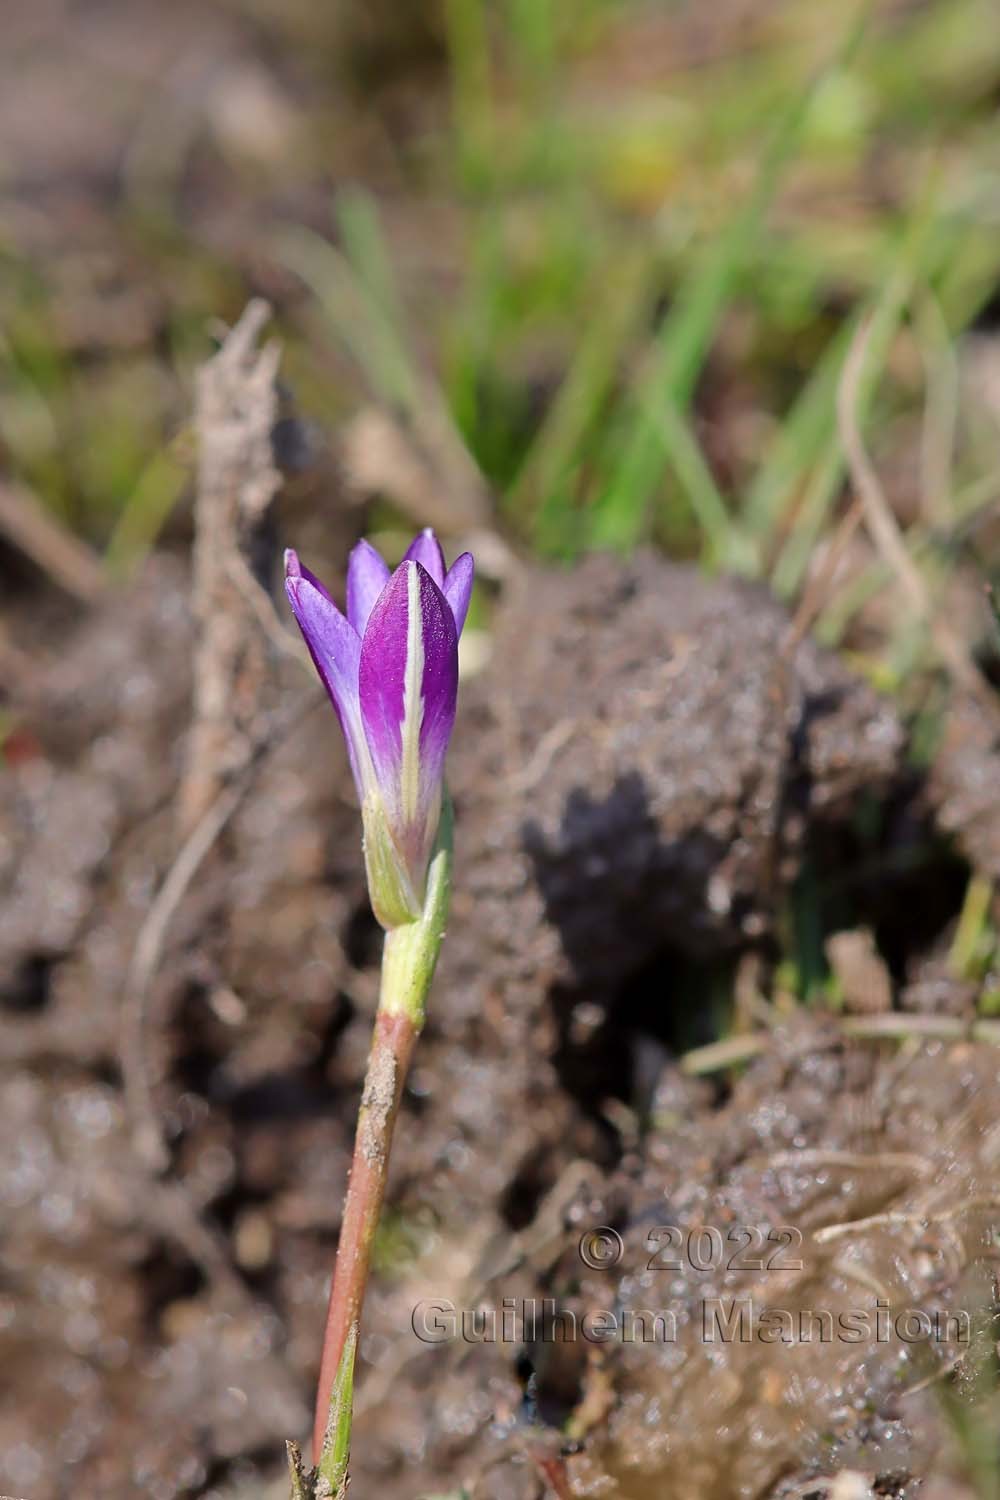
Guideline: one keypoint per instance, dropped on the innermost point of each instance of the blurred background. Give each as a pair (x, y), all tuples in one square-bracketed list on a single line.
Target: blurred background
[(620, 246), (559, 277)]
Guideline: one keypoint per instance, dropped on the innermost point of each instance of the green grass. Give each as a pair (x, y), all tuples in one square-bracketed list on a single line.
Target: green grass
[(621, 319), (621, 256)]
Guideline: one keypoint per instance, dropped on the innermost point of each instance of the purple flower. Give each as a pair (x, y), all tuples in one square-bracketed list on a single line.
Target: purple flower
[(391, 668)]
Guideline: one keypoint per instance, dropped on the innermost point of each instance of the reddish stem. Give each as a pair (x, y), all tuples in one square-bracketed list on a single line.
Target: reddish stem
[(553, 1470), (388, 1062)]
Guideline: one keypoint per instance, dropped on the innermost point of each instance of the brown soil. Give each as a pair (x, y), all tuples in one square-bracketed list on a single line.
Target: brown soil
[(646, 791)]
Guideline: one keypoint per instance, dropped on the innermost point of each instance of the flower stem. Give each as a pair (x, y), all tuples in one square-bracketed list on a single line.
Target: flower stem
[(408, 960), (392, 1048)]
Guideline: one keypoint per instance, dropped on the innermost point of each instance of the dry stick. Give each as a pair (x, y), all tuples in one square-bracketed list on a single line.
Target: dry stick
[(900, 1216), (236, 409), (231, 735), (880, 1161), (18, 674), (817, 590), (262, 606), (67, 560), (885, 529), (148, 1139), (237, 480), (436, 482), (167, 1205), (895, 1026)]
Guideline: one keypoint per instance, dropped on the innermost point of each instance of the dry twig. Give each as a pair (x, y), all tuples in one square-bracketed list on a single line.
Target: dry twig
[(148, 1141), (885, 531), (231, 735), (818, 588), (68, 561), (893, 1026), (147, 1131), (236, 409), (914, 1219), (885, 1161)]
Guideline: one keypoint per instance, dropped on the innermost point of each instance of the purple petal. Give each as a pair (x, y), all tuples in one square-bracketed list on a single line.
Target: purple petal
[(458, 587), (335, 649), (426, 550), (408, 681), (296, 569), (367, 576)]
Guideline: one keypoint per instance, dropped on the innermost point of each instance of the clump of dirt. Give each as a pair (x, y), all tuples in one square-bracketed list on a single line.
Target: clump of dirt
[(657, 757), (636, 778), (641, 778), (878, 1293), (965, 781), (800, 1278), (93, 757)]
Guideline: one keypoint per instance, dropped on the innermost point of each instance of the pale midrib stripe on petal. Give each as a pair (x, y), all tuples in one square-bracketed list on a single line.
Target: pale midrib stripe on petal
[(413, 699), (366, 769)]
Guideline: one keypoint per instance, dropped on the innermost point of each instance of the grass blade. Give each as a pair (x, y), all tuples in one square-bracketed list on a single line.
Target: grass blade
[(688, 328)]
